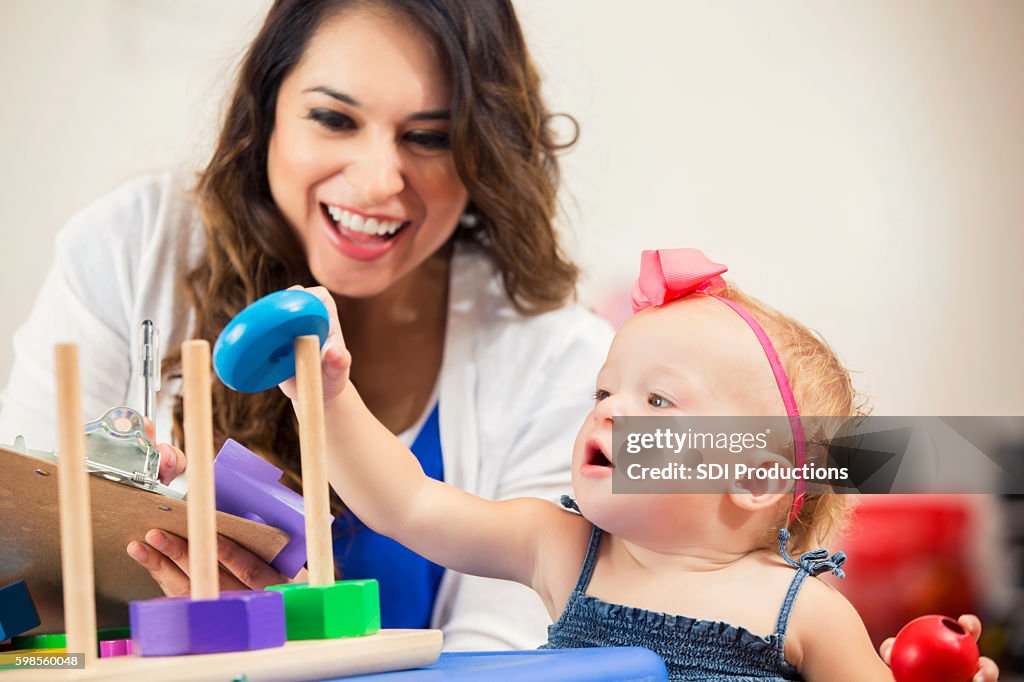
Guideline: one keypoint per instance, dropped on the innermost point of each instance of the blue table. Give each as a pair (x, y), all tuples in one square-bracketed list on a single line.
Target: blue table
[(618, 664)]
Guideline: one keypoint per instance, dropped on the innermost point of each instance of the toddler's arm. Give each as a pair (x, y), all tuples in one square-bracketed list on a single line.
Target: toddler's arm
[(383, 484), (832, 642), (381, 481)]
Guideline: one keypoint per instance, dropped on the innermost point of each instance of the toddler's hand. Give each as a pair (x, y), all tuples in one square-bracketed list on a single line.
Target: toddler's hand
[(988, 671), (335, 360)]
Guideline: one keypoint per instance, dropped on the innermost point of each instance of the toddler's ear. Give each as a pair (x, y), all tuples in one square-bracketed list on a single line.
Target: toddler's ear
[(752, 492)]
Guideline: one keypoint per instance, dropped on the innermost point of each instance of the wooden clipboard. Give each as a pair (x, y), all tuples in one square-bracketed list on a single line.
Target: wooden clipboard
[(30, 538)]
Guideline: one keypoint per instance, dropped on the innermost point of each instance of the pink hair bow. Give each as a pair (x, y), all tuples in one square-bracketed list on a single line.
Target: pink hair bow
[(669, 274)]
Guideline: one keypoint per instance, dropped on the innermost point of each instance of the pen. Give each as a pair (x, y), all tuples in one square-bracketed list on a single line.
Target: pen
[(149, 366)]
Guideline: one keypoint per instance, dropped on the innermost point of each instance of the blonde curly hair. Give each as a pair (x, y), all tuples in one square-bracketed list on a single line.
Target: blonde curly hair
[(822, 388)]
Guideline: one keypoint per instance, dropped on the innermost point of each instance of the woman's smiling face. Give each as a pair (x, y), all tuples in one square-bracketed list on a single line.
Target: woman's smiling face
[(359, 160)]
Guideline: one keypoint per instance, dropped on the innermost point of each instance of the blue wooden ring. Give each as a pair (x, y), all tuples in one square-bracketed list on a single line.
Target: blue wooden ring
[(256, 351)]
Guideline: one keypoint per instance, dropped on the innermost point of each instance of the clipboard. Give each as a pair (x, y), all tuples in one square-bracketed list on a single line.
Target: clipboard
[(30, 538)]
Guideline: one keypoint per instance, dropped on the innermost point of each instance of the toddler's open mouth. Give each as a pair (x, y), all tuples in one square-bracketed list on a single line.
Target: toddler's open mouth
[(595, 458)]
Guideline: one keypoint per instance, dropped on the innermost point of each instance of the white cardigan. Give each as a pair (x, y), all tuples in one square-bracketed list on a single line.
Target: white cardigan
[(513, 390)]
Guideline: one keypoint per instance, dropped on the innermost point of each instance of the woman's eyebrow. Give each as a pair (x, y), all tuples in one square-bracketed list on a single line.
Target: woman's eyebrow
[(429, 115), (340, 96)]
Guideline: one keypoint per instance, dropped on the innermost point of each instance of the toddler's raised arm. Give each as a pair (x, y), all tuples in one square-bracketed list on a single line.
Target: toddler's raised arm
[(382, 482)]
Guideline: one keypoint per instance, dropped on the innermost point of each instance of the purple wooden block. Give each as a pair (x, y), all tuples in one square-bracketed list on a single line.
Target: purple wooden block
[(239, 621), (112, 648), (249, 486)]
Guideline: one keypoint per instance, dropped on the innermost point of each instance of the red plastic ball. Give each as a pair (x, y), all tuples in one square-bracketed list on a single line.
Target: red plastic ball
[(934, 649)]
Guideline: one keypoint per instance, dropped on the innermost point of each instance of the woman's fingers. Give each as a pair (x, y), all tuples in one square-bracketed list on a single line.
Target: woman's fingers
[(171, 546), (172, 462), (150, 429), (165, 556), (172, 580), (248, 569)]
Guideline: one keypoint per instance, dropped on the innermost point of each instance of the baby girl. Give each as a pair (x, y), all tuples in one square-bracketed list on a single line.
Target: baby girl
[(705, 580)]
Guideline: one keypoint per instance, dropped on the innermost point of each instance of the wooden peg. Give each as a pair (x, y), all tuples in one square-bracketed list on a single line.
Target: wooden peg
[(198, 427), (75, 513), (312, 441)]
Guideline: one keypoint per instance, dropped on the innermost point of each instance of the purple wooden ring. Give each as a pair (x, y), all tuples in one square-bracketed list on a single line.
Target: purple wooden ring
[(249, 486), (239, 621)]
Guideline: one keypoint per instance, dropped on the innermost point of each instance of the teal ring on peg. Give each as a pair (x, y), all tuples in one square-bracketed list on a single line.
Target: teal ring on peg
[(256, 351)]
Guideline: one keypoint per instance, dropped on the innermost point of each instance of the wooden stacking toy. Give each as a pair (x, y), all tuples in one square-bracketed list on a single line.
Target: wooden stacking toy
[(188, 622)]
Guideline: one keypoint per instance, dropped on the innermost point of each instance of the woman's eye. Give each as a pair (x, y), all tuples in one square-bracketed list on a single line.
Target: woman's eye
[(429, 139), (332, 120), (600, 394), (655, 400)]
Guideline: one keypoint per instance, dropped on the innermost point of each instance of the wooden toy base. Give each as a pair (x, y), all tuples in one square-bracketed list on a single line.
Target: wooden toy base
[(305, 660)]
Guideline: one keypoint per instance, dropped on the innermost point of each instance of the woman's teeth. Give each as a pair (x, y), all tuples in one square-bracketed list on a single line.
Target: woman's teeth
[(358, 223)]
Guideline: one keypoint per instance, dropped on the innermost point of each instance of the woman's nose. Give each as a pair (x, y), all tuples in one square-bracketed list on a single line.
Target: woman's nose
[(376, 174)]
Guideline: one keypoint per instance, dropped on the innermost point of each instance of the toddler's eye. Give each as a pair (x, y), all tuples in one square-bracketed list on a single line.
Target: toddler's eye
[(655, 400), (600, 394)]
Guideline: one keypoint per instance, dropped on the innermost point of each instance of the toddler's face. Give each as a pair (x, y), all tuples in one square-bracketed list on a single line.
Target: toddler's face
[(693, 357)]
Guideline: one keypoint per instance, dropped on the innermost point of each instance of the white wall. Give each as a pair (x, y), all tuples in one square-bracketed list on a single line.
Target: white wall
[(858, 164)]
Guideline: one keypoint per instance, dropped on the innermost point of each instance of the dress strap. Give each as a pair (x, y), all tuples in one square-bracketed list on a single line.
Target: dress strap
[(590, 560), (810, 563)]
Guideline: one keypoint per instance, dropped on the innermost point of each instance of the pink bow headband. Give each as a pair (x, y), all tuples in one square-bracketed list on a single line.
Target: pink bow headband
[(670, 274)]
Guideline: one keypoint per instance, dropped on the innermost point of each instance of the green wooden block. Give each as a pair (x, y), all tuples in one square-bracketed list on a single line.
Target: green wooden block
[(54, 641), (348, 608), (59, 640), (107, 634)]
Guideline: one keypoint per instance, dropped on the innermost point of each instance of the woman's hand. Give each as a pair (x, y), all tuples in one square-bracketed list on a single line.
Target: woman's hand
[(988, 671), (165, 556), (335, 360), (172, 460)]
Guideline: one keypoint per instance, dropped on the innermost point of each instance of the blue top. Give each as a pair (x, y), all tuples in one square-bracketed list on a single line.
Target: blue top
[(694, 650), (408, 582)]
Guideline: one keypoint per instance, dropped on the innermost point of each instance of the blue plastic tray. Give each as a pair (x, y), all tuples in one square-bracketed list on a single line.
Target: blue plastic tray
[(622, 664)]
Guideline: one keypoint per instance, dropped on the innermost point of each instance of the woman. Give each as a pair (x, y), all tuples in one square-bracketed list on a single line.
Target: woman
[(398, 154)]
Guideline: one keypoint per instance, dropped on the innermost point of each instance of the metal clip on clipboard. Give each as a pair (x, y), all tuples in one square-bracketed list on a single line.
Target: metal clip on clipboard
[(116, 445), (117, 449)]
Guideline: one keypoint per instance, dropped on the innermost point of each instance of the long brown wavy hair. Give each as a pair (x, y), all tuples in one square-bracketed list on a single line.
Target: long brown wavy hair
[(504, 150)]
